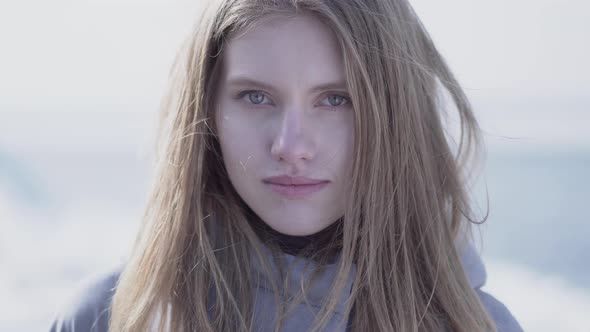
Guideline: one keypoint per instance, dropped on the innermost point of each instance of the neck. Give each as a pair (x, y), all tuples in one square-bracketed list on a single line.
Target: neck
[(328, 238)]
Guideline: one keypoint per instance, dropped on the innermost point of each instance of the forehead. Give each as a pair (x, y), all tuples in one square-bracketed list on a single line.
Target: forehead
[(298, 48)]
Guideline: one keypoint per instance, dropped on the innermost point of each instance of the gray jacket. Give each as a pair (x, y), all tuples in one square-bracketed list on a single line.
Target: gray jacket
[(89, 311)]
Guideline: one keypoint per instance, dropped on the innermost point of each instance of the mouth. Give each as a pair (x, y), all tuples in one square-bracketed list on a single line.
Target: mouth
[(295, 187)]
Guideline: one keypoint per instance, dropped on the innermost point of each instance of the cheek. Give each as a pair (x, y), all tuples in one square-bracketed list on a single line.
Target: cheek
[(239, 143), (338, 140)]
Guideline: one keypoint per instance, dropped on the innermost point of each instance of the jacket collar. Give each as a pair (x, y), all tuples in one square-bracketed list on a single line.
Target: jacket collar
[(301, 270)]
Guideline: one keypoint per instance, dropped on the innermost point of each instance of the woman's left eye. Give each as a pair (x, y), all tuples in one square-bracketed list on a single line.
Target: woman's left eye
[(336, 100)]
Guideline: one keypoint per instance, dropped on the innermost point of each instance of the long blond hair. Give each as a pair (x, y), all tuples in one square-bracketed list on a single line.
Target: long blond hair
[(407, 204)]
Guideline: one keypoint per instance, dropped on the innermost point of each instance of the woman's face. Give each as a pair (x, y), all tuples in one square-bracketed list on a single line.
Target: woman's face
[(285, 123)]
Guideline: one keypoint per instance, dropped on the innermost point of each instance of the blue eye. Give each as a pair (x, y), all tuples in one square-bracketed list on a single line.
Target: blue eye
[(254, 97), (337, 100)]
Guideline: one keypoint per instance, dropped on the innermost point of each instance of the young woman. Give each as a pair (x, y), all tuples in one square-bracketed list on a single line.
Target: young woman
[(306, 184)]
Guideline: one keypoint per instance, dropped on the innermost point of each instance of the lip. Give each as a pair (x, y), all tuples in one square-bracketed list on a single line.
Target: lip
[(295, 186)]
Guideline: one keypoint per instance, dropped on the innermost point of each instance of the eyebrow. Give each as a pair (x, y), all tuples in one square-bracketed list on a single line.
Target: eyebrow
[(246, 81)]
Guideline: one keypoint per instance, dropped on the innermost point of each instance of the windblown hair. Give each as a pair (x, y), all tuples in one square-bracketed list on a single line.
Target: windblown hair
[(407, 206)]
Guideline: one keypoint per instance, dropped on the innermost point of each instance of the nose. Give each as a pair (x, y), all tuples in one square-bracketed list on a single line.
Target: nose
[(293, 143)]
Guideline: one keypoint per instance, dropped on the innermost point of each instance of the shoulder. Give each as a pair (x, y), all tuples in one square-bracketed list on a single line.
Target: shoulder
[(504, 320), (89, 307)]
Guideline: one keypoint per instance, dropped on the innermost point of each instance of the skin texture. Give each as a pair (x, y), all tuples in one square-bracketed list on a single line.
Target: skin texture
[(286, 127)]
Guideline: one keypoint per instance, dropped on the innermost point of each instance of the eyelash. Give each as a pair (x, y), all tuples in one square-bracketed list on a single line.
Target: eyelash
[(245, 93)]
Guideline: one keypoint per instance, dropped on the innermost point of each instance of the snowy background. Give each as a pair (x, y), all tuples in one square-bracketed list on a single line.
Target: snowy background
[(80, 85)]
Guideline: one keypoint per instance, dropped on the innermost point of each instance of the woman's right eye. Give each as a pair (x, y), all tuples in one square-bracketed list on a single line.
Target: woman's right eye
[(254, 97)]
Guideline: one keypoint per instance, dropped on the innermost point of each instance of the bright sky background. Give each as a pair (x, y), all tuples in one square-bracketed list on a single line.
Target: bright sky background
[(524, 63)]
